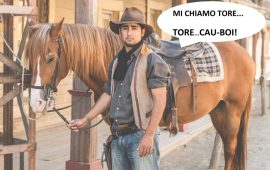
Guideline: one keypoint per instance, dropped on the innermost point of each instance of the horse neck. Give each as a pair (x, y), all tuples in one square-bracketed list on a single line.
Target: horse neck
[(89, 58), (95, 85)]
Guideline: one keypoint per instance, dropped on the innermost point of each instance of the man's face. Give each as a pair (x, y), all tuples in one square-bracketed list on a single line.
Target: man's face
[(131, 34)]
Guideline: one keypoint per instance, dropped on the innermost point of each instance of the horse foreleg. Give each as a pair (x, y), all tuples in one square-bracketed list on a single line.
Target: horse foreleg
[(226, 120)]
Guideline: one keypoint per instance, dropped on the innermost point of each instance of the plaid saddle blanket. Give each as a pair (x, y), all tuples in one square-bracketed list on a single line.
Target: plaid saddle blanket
[(208, 63)]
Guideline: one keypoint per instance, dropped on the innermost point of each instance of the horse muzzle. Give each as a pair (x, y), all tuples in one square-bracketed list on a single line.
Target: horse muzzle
[(42, 99)]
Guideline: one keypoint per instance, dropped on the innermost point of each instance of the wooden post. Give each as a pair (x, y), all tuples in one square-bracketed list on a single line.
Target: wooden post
[(178, 2), (43, 13), (8, 107), (32, 115), (32, 140), (262, 78), (79, 140), (83, 151), (33, 18), (216, 152), (86, 12), (254, 47), (2, 162)]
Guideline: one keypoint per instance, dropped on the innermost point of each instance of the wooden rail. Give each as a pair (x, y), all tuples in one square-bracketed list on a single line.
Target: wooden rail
[(10, 95), (9, 79), (10, 63), (18, 10), (11, 149)]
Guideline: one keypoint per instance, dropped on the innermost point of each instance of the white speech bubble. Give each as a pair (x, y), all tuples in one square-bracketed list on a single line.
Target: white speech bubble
[(210, 22)]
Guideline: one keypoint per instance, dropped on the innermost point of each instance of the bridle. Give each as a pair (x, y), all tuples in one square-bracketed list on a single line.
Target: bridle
[(50, 89)]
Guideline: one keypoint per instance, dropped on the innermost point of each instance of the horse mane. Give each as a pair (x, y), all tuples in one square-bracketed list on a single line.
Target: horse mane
[(88, 50)]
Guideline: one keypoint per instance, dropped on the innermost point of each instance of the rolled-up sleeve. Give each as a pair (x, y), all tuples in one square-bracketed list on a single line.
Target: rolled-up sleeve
[(158, 72), (107, 86)]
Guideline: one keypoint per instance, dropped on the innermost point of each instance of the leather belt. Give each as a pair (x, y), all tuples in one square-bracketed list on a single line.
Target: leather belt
[(123, 129)]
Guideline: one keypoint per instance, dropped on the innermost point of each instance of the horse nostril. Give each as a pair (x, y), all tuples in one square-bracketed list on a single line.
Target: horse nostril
[(37, 103)]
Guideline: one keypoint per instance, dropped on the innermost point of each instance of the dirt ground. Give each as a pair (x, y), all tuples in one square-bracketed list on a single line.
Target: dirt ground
[(196, 154)]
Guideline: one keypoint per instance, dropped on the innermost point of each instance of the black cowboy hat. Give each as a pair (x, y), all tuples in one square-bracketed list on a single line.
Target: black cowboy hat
[(131, 15)]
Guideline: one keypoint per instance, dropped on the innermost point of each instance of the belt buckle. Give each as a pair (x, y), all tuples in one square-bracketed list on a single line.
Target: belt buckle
[(115, 132)]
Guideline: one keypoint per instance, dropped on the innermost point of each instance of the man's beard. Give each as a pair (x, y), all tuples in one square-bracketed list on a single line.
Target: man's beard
[(130, 45)]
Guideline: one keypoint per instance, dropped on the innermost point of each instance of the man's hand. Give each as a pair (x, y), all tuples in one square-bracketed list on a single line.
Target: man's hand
[(159, 101), (76, 124), (146, 145), (100, 106)]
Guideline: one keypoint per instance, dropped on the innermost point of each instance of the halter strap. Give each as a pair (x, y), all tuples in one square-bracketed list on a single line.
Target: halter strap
[(54, 77), (59, 52), (37, 87)]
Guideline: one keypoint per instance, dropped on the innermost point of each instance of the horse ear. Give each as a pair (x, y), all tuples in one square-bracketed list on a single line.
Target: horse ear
[(56, 29)]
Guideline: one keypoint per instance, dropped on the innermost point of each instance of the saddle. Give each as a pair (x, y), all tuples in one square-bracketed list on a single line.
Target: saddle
[(172, 54), (199, 62), (170, 49)]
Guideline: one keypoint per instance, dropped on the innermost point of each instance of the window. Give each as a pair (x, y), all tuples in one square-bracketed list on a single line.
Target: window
[(154, 14), (107, 16)]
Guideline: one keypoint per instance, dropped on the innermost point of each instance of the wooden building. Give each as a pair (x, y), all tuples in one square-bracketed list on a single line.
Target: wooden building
[(53, 11)]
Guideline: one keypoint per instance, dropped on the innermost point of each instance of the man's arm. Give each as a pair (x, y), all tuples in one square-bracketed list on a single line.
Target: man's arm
[(159, 102), (100, 106)]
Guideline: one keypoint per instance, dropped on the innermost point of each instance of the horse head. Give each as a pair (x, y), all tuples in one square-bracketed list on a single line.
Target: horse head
[(47, 64)]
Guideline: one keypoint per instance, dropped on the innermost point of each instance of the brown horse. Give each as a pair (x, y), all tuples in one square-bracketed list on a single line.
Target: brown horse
[(88, 51)]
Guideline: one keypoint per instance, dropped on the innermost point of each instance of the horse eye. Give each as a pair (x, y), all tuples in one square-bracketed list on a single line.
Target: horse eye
[(50, 60)]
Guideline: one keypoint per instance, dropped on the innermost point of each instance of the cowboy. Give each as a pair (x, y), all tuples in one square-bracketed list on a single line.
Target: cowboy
[(135, 94)]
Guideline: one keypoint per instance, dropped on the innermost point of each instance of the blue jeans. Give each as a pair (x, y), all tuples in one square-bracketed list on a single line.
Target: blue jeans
[(125, 155)]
